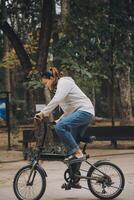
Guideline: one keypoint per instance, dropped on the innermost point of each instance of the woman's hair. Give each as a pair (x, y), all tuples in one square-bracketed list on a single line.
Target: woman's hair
[(56, 73)]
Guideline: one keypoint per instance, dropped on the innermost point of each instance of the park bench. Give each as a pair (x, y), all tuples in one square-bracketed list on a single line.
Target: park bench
[(111, 133), (27, 138), (102, 133)]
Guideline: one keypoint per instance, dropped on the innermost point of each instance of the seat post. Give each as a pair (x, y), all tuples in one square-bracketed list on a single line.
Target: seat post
[(84, 148)]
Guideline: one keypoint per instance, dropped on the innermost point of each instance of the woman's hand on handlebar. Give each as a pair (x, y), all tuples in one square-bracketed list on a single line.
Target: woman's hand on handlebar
[(40, 116)]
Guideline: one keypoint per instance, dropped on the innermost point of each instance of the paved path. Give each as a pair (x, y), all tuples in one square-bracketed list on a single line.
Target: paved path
[(55, 171)]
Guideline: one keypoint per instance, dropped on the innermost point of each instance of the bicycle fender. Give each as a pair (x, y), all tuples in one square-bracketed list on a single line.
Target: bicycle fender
[(101, 161)]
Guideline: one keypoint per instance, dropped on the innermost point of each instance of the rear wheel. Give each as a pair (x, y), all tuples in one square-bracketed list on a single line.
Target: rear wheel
[(32, 189), (108, 184)]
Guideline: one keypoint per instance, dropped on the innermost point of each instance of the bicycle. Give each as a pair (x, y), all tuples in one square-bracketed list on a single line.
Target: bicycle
[(104, 179)]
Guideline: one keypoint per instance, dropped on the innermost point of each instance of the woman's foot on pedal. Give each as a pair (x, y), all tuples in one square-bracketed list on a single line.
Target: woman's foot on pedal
[(77, 155), (69, 158)]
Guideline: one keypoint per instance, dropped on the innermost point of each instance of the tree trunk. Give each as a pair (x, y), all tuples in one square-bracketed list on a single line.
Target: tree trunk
[(5, 51), (111, 60), (65, 15), (45, 34), (125, 95)]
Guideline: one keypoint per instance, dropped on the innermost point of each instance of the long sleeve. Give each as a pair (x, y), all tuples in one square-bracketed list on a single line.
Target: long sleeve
[(63, 88)]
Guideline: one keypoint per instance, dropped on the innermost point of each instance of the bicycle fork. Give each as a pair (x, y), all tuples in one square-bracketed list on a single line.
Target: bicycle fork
[(32, 174)]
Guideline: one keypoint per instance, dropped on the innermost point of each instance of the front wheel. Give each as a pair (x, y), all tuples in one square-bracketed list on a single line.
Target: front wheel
[(29, 183), (107, 180)]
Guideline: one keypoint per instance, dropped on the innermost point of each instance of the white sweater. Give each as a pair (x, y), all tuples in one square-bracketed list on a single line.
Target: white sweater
[(69, 97)]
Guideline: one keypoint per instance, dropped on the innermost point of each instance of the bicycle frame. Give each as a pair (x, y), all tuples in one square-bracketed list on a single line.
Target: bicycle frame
[(72, 175), (40, 148)]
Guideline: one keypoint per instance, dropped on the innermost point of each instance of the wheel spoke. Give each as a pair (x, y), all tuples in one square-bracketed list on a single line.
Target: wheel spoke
[(115, 187)]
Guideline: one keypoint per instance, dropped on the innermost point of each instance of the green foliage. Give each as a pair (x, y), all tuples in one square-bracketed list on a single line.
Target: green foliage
[(11, 60), (33, 80), (99, 39), (24, 16), (84, 51)]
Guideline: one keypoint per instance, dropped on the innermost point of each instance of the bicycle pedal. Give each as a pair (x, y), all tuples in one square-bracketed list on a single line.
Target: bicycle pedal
[(66, 186), (63, 186), (76, 186)]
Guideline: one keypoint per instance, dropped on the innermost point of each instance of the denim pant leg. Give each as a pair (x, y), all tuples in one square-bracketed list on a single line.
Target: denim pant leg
[(78, 132), (64, 129)]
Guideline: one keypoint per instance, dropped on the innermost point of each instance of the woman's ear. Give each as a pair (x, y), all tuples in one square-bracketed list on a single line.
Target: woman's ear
[(52, 78)]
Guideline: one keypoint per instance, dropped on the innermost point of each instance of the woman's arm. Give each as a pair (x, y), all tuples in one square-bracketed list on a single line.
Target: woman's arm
[(63, 88)]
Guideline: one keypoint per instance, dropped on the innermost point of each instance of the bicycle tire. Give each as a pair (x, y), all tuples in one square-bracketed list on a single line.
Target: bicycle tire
[(100, 195), (42, 175)]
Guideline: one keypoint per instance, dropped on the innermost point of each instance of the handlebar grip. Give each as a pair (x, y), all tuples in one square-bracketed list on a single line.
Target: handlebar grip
[(52, 123)]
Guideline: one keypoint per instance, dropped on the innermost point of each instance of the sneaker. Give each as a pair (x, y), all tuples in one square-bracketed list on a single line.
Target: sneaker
[(69, 158), (73, 158)]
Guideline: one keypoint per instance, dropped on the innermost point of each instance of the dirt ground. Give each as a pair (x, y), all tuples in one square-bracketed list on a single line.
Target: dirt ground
[(16, 145)]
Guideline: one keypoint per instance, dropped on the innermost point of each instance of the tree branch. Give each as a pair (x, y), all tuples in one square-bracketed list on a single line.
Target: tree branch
[(17, 45)]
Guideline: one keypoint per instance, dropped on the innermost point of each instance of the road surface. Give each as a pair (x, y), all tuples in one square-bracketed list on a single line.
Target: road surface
[(55, 171)]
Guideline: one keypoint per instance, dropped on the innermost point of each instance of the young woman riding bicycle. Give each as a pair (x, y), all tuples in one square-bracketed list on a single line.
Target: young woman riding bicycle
[(104, 179), (78, 111)]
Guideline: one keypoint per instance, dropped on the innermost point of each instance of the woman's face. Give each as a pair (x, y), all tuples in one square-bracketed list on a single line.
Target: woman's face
[(49, 83)]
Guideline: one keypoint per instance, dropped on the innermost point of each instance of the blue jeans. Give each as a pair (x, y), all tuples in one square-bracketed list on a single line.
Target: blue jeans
[(71, 127)]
